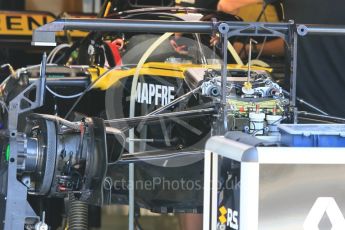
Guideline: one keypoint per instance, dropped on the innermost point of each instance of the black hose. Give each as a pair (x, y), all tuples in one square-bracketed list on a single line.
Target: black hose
[(78, 218)]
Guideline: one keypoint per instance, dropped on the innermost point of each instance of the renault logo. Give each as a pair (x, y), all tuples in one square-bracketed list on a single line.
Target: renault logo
[(321, 206)]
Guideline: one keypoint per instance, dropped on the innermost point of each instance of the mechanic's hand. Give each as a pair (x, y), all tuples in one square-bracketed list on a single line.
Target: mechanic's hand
[(180, 49), (214, 40)]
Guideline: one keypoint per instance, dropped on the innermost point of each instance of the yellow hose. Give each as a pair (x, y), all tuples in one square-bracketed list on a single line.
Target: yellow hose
[(234, 54), (107, 9)]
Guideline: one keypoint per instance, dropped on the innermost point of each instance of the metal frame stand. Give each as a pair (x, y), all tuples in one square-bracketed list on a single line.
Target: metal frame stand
[(14, 192), (285, 31)]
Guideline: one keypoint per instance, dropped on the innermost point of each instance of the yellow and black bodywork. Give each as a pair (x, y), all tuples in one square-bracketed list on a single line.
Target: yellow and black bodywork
[(111, 89), (162, 69)]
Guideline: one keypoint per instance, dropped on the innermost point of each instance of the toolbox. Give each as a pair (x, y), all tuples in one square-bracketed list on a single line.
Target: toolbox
[(312, 135)]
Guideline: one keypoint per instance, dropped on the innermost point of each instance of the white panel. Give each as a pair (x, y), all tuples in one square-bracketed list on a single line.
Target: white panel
[(249, 197), (207, 190), (294, 155), (214, 198)]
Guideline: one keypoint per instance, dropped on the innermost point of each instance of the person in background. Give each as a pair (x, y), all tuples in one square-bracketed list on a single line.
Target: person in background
[(203, 4), (250, 11)]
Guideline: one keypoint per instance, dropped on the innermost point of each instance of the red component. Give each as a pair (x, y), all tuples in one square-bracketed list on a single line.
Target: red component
[(62, 189), (242, 109), (257, 108), (114, 47), (82, 129)]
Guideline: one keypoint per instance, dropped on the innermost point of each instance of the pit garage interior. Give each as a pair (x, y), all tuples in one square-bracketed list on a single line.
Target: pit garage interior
[(175, 115)]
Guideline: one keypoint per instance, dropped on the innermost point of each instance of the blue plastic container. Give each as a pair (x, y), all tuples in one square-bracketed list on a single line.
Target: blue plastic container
[(312, 135)]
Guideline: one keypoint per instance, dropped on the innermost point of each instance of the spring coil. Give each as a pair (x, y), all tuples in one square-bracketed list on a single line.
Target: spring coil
[(78, 214)]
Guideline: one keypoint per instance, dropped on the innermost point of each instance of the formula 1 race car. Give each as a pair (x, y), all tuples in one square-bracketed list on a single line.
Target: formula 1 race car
[(72, 125)]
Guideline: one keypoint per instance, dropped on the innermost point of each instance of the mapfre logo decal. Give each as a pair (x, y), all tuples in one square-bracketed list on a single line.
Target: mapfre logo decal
[(154, 94), (321, 206), (228, 218)]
